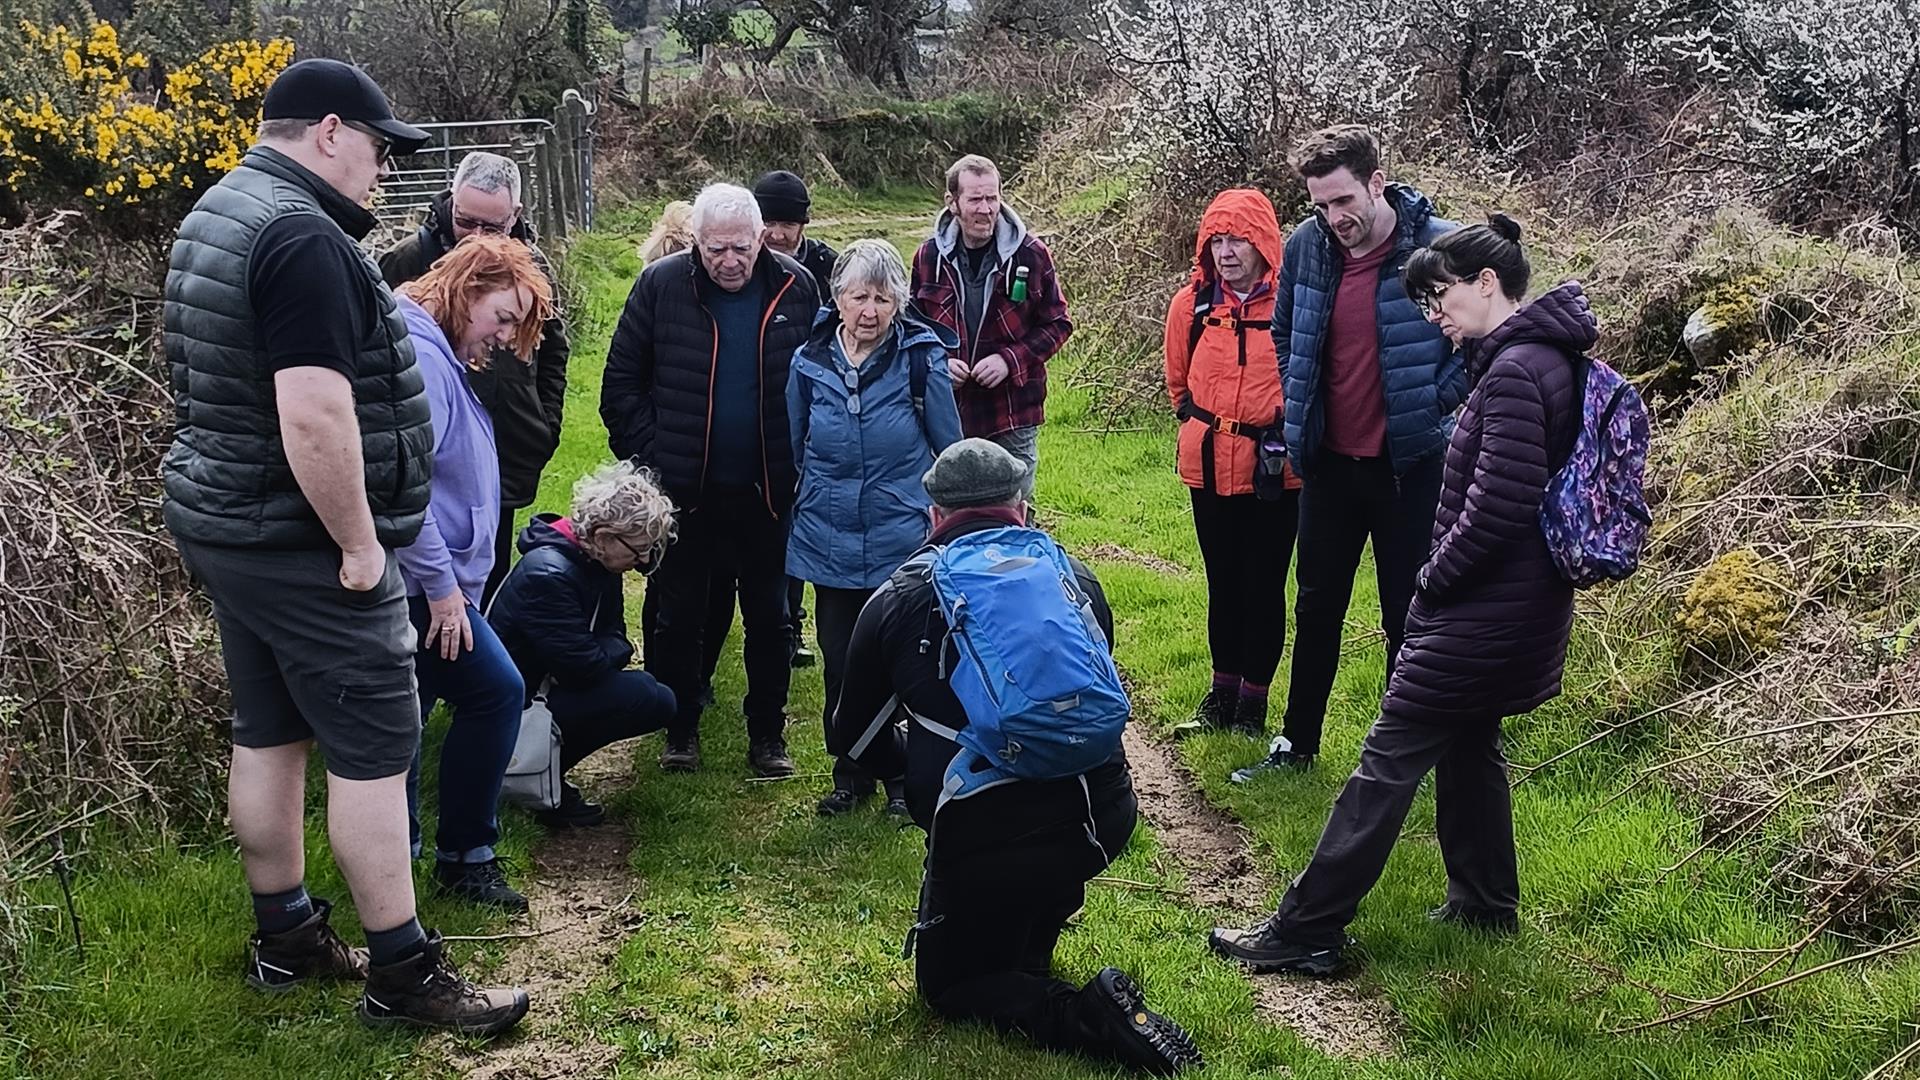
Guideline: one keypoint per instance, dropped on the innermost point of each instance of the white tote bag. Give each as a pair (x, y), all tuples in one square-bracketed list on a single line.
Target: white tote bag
[(533, 773)]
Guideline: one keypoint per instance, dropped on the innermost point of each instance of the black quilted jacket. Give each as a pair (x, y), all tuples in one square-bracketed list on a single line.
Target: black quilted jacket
[(654, 397)]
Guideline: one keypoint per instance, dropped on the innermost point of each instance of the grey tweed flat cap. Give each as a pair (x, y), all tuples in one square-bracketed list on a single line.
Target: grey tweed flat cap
[(975, 472)]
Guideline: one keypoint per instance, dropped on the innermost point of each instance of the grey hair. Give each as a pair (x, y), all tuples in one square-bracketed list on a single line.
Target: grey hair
[(487, 172), (871, 262), (725, 204), (626, 500), (282, 130)]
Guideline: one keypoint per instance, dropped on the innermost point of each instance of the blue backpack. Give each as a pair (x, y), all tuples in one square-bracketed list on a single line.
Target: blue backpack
[(1594, 515), (1031, 668)]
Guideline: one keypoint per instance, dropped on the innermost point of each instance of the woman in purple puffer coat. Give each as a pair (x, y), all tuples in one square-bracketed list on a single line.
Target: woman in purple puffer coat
[(1487, 631)]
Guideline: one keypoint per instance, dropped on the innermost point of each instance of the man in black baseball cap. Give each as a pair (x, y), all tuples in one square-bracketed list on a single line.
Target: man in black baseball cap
[(303, 457)]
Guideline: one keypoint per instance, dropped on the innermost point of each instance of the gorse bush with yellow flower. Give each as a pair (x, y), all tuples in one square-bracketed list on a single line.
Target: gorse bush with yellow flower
[(74, 128)]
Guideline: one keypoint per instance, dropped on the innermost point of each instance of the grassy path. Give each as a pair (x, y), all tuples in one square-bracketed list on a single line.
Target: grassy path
[(735, 934)]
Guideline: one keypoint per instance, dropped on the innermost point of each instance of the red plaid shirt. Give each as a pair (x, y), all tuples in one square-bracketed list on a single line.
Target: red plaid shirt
[(1027, 333)]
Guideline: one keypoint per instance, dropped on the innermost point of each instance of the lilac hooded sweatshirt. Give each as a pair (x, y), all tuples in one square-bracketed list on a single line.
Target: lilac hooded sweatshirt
[(455, 545)]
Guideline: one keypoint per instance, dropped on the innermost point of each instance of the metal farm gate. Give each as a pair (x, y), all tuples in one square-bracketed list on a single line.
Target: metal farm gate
[(556, 166)]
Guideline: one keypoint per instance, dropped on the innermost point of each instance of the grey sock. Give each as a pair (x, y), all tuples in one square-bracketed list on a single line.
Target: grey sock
[(277, 913), (386, 947)]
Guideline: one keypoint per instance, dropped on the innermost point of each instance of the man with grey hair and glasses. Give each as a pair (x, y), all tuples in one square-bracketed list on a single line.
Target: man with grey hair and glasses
[(695, 389), (524, 400)]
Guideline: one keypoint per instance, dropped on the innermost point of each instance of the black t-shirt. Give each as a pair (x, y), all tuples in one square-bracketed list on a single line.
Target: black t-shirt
[(313, 303)]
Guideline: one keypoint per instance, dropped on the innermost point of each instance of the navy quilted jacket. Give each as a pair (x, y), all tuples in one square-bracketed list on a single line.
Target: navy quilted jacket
[(1424, 377)]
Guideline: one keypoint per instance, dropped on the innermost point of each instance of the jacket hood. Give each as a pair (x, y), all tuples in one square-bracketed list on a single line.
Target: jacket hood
[(439, 222), (1560, 317), (549, 530), (1413, 209), (1237, 212), (1007, 236), (425, 331)]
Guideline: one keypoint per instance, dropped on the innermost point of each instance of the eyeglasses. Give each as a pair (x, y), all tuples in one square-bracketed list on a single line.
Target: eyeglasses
[(1429, 301), (644, 561), (474, 224), (382, 146)]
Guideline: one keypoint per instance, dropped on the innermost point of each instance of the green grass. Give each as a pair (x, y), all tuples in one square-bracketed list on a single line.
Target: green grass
[(768, 943)]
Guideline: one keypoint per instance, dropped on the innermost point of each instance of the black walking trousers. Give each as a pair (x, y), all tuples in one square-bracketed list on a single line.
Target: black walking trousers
[(1348, 501), (1473, 815), (1247, 544), (726, 531)]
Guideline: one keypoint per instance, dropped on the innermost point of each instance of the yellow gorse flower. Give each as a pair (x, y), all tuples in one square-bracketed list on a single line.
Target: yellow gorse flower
[(78, 129)]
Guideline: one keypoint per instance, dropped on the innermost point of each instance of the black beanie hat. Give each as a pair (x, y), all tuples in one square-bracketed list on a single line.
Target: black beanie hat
[(782, 197)]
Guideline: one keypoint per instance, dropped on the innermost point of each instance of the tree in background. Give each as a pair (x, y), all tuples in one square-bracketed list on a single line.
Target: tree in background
[(874, 37), (458, 60)]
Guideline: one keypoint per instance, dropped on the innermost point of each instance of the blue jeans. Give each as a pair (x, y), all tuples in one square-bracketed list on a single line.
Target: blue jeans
[(621, 706), (487, 695)]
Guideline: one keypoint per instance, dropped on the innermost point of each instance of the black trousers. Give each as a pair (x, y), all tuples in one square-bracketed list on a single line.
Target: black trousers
[(1473, 815), (1347, 502), (988, 926), (727, 530), (713, 641), (1247, 544), (834, 613), (503, 542)]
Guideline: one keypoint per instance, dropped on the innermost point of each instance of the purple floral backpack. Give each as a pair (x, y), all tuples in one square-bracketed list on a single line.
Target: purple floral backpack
[(1595, 515)]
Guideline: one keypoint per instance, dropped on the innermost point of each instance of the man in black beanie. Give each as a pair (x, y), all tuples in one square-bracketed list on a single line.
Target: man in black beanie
[(784, 203)]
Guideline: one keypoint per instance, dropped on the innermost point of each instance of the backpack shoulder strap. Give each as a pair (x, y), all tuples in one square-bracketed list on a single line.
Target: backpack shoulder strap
[(1199, 324), (917, 375)]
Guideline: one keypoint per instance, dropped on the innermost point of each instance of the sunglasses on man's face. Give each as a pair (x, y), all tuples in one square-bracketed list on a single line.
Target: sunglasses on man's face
[(382, 146)]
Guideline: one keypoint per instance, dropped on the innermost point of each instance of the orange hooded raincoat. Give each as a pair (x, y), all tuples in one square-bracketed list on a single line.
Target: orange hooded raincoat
[(1231, 371)]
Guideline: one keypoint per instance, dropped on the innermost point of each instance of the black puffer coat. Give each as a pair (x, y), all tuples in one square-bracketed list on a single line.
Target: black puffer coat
[(560, 613), (655, 395), (1487, 633)]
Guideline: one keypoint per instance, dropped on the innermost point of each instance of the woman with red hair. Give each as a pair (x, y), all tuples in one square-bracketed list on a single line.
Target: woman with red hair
[(486, 292)]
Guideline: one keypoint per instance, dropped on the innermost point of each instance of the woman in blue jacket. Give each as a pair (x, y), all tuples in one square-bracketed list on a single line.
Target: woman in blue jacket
[(870, 407)]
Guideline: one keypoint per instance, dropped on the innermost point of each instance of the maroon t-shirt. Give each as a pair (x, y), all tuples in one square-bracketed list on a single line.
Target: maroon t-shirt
[(1356, 403)]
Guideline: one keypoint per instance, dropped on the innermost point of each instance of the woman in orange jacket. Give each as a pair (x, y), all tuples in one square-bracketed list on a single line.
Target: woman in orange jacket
[(1224, 381)]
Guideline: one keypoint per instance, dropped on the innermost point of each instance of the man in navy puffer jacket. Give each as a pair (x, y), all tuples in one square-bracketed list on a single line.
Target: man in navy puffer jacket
[(1371, 387)]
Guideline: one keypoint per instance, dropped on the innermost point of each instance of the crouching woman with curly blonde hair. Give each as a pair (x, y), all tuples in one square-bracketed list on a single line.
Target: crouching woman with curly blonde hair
[(562, 616)]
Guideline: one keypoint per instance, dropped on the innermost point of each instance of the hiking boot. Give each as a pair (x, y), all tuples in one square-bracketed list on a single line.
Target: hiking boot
[(282, 961), (897, 808), (838, 801), (425, 991), (1263, 950), (681, 755), (1281, 756), (1133, 1034), (574, 811), (1502, 923), (1249, 717), (768, 757), (478, 883), (1215, 712)]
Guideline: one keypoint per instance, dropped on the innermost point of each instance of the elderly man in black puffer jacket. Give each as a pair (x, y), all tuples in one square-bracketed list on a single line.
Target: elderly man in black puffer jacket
[(696, 388)]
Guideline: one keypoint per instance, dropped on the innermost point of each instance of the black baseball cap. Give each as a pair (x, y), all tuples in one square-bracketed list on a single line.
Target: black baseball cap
[(314, 89)]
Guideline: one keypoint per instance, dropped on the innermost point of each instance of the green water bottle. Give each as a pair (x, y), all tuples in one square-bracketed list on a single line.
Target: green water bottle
[(1018, 290)]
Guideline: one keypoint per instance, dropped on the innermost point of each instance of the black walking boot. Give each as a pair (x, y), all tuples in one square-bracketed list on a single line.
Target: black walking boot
[(479, 883), (1120, 1024), (768, 757), (1214, 714), (1502, 923), (1249, 717), (1281, 756), (574, 811), (838, 801), (1262, 949), (681, 755)]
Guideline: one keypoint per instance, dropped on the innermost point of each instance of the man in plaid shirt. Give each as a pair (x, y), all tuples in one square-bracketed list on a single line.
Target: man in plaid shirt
[(990, 282)]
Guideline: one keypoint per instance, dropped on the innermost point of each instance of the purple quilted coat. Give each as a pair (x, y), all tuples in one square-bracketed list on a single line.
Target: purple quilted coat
[(1487, 633)]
